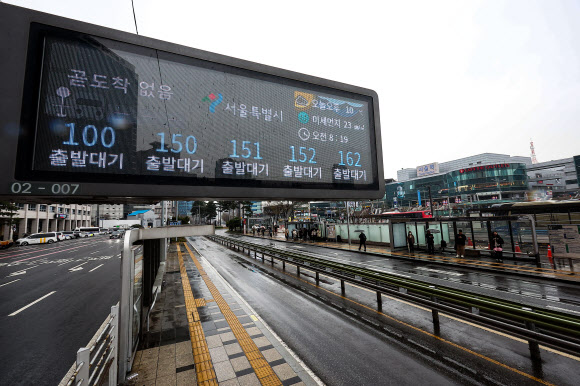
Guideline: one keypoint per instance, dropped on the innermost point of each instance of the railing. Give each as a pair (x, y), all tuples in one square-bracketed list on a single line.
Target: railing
[(536, 325), (97, 363)]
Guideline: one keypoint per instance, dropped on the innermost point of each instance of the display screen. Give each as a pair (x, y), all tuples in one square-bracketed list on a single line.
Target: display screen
[(115, 112)]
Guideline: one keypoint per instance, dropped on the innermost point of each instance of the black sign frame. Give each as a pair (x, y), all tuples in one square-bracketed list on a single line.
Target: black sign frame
[(19, 180)]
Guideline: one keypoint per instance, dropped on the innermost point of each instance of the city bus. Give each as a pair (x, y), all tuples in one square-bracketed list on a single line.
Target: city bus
[(413, 214)]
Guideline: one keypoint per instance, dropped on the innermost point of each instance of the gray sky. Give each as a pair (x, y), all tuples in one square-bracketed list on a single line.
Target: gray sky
[(454, 78)]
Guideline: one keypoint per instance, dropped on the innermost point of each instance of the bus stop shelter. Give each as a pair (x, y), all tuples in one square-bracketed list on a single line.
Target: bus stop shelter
[(518, 233)]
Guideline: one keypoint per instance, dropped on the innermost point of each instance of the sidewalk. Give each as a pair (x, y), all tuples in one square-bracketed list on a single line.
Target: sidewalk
[(201, 333), (489, 263)]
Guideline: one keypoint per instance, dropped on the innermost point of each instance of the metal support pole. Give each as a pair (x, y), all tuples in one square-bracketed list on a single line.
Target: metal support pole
[(342, 289), (272, 260), (114, 345), (262, 257), (83, 366), (533, 344), (283, 265), (535, 240), (435, 313), (317, 279), (348, 223), (379, 301), (512, 238), (297, 270)]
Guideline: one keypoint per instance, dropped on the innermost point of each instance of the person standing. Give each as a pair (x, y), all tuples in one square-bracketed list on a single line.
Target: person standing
[(443, 246), (363, 241), (411, 242), (497, 247), (430, 242), (460, 240)]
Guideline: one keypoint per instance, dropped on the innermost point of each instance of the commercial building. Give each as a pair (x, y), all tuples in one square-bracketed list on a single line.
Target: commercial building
[(556, 178), (478, 180), (34, 218), (107, 212)]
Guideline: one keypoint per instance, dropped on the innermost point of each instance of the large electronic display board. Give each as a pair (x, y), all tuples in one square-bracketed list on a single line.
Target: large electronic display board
[(109, 114)]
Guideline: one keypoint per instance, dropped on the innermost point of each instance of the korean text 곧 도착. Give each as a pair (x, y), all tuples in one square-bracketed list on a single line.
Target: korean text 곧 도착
[(79, 79)]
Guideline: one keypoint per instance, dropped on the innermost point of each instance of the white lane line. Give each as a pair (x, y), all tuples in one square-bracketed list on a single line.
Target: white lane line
[(10, 282), (99, 266), (31, 304)]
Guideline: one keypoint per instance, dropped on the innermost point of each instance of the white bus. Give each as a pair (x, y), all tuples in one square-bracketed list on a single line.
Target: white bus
[(94, 230)]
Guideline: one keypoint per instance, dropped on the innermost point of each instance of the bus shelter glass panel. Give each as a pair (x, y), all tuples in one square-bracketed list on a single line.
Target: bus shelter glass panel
[(400, 235), (435, 231), (502, 228), (420, 237), (522, 230), (465, 227)]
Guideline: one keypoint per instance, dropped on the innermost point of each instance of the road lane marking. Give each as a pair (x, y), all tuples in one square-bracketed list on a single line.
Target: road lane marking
[(99, 266), (77, 268), (22, 271), (31, 304), (10, 282)]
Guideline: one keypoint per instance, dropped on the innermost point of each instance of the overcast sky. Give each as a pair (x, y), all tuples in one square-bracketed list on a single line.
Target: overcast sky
[(454, 78)]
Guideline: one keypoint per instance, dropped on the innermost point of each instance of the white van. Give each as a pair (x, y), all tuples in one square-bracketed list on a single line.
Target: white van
[(38, 238)]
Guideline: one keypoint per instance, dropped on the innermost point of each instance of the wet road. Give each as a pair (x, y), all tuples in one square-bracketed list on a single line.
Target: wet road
[(557, 295), (54, 298), (320, 334)]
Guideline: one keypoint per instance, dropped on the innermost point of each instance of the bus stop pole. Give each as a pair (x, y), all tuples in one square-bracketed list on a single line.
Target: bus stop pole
[(348, 223)]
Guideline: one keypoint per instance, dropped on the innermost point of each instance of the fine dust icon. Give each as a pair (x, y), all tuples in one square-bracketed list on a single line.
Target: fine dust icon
[(215, 101)]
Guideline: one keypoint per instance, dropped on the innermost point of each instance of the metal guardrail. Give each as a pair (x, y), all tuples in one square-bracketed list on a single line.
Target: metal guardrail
[(100, 355), (554, 329)]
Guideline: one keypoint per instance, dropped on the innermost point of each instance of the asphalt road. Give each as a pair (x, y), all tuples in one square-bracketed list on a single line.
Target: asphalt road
[(54, 298), (344, 341), (338, 349)]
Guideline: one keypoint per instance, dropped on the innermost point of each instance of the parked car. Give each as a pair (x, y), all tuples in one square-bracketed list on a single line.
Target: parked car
[(86, 234), (116, 235), (6, 244), (68, 235), (60, 236), (38, 238)]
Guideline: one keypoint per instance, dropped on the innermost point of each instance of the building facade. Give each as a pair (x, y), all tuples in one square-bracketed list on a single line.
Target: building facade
[(554, 179), (469, 186), (107, 212), (35, 218), (461, 163)]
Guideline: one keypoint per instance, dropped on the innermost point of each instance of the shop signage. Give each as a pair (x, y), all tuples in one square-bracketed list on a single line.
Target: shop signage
[(485, 167), (425, 170)]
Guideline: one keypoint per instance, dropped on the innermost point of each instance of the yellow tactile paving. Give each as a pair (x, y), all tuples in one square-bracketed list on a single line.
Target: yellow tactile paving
[(203, 365), (262, 368)]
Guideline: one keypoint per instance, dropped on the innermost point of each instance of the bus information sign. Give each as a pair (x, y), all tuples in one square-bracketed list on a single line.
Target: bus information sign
[(111, 112)]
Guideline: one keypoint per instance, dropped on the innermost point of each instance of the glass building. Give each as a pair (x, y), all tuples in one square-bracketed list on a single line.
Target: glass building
[(472, 186)]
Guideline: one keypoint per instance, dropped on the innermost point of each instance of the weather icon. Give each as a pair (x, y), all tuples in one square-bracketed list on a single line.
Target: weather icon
[(303, 117)]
